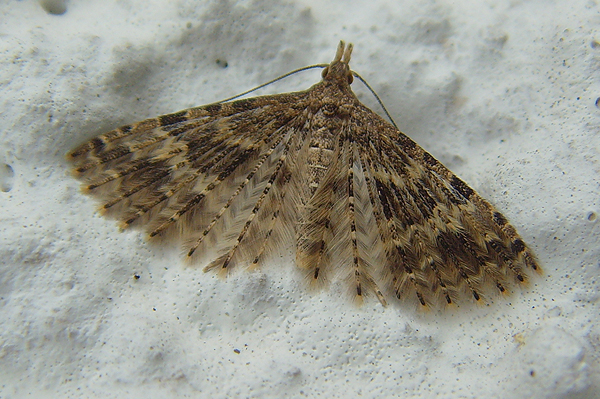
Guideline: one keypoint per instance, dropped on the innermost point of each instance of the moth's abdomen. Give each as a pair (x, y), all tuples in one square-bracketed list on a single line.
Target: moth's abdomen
[(320, 155)]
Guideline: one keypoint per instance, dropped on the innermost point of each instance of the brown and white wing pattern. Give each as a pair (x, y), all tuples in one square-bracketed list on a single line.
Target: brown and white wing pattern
[(199, 171), (360, 200), (440, 238)]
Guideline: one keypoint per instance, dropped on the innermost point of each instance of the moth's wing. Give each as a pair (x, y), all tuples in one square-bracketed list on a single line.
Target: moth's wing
[(194, 171), (337, 235), (440, 238)]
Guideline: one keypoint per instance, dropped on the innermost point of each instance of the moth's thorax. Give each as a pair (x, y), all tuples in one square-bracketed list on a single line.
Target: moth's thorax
[(333, 95), (330, 102)]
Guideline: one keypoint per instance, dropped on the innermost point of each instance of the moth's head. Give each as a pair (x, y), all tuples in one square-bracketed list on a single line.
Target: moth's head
[(339, 69)]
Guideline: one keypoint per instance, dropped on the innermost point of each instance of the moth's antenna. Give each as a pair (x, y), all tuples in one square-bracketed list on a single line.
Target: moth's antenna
[(273, 81), (377, 97)]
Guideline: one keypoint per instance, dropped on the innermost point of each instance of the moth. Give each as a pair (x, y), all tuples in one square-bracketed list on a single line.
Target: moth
[(360, 201)]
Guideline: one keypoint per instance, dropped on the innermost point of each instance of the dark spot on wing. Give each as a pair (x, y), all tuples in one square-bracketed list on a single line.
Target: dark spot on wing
[(517, 246), (429, 160), (115, 153), (406, 143), (499, 219), (97, 144), (172, 119), (213, 108), (461, 187), (243, 105)]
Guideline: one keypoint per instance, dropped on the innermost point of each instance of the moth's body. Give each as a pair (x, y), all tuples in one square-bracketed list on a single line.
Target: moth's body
[(361, 199)]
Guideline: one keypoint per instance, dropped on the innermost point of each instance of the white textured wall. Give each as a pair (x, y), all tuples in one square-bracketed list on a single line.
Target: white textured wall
[(503, 92)]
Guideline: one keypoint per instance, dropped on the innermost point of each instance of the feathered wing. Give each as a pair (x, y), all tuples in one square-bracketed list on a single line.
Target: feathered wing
[(440, 237), (201, 174), (361, 201), (337, 236)]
